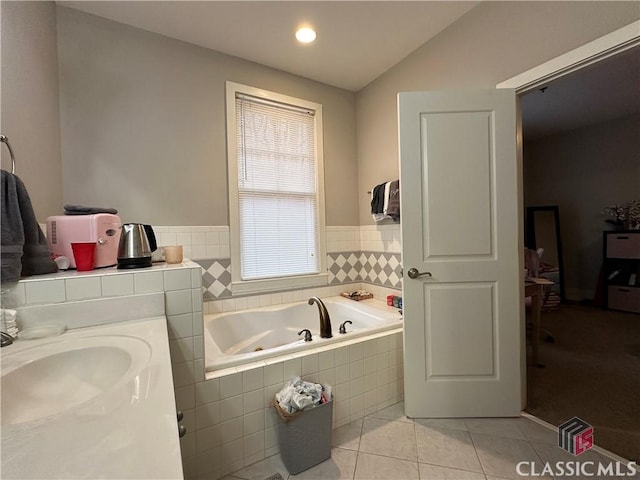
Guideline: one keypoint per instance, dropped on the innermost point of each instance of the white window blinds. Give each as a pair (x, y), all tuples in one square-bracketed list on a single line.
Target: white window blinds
[(277, 189)]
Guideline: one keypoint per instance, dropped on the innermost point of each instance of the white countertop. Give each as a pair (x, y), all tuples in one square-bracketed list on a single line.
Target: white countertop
[(129, 432), (114, 270)]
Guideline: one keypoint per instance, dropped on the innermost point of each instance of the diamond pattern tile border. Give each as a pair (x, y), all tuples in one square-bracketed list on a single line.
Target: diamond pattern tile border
[(216, 278), (378, 268)]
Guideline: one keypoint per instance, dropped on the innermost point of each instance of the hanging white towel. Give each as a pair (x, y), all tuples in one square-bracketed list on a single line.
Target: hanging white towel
[(379, 216), (393, 209), (386, 199)]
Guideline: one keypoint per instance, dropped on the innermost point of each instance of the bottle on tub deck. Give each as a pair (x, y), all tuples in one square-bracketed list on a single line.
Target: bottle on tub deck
[(394, 301)]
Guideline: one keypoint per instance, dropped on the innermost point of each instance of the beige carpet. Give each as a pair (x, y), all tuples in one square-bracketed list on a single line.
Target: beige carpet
[(592, 371)]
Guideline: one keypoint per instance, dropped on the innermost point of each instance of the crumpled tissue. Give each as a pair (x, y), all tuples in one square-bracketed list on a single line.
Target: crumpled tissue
[(297, 395)]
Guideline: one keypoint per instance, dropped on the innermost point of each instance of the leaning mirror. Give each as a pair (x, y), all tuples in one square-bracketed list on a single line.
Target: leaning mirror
[(543, 234)]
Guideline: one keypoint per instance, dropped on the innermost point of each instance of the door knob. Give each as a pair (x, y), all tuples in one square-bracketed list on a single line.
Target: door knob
[(414, 273)]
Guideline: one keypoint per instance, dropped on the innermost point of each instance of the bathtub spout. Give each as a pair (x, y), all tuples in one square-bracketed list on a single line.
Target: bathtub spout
[(325, 321)]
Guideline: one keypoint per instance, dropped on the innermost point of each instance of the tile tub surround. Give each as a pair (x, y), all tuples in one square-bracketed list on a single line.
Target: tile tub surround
[(206, 402), (374, 238), (374, 268), (199, 242), (233, 423), (381, 382), (227, 417), (368, 254), (236, 427)]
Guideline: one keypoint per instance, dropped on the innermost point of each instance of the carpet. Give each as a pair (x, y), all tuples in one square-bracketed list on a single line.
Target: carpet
[(592, 371)]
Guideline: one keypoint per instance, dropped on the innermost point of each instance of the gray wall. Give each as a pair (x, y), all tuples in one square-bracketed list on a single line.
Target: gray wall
[(143, 115), (143, 124), (491, 43), (29, 97), (139, 123), (582, 172)]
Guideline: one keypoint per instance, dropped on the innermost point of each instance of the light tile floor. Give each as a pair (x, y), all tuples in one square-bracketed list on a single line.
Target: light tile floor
[(386, 445)]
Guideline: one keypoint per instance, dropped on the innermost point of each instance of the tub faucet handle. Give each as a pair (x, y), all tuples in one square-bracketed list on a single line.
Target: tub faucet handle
[(343, 328), (307, 334)]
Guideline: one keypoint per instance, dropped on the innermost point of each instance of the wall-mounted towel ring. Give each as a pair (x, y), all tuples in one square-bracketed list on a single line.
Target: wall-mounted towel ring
[(5, 140)]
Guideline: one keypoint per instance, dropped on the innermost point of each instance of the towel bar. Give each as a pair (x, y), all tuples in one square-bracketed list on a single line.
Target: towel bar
[(5, 140)]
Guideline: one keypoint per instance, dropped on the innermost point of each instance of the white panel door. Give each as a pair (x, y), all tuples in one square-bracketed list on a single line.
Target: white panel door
[(460, 177)]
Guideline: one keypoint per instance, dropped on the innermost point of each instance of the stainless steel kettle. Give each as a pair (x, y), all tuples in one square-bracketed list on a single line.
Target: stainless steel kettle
[(137, 242)]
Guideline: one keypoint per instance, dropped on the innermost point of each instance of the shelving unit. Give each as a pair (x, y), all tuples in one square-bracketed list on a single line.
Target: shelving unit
[(622, 270)]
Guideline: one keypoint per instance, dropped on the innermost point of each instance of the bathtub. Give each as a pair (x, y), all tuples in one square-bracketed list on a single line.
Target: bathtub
[(244, 336)]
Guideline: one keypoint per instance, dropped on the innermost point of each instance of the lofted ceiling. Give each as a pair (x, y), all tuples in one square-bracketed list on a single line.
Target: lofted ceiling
[(359, 40)]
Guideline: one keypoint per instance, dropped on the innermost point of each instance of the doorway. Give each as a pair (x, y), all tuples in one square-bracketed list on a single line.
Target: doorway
[(572, 398)]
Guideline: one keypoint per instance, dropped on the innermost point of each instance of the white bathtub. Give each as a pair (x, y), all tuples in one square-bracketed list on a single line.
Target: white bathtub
[(245, 336)]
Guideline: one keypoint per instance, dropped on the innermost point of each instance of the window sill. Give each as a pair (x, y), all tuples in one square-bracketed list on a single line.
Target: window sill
[(275, 284)]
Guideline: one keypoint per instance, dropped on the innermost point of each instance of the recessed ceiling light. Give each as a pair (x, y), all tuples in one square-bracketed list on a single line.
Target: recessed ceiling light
[(306, 35)]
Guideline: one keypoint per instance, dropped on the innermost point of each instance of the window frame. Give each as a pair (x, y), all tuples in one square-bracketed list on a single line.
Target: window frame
[(238, 285)]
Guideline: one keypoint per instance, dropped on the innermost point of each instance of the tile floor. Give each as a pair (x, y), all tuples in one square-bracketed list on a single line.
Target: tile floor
[(387, 445)]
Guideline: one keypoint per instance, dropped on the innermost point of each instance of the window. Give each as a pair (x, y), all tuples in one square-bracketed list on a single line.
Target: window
[(276, 200)]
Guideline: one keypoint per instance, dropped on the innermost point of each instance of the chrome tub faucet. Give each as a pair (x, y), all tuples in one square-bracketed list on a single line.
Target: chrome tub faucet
[(325, 321)]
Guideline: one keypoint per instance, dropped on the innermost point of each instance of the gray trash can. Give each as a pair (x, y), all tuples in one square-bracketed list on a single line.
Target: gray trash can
[(305, 439)]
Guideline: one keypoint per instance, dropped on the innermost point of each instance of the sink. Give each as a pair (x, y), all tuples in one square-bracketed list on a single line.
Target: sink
[(48, 379)]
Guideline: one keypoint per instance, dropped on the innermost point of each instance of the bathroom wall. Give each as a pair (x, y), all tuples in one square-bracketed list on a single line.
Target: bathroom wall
[(491, 43), (583, 171), (29, 98), (142, 118), (143, 124), (144, 114), (143, 131)]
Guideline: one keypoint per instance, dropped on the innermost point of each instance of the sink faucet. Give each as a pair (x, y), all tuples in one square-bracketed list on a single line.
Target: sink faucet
[(325, 321)]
